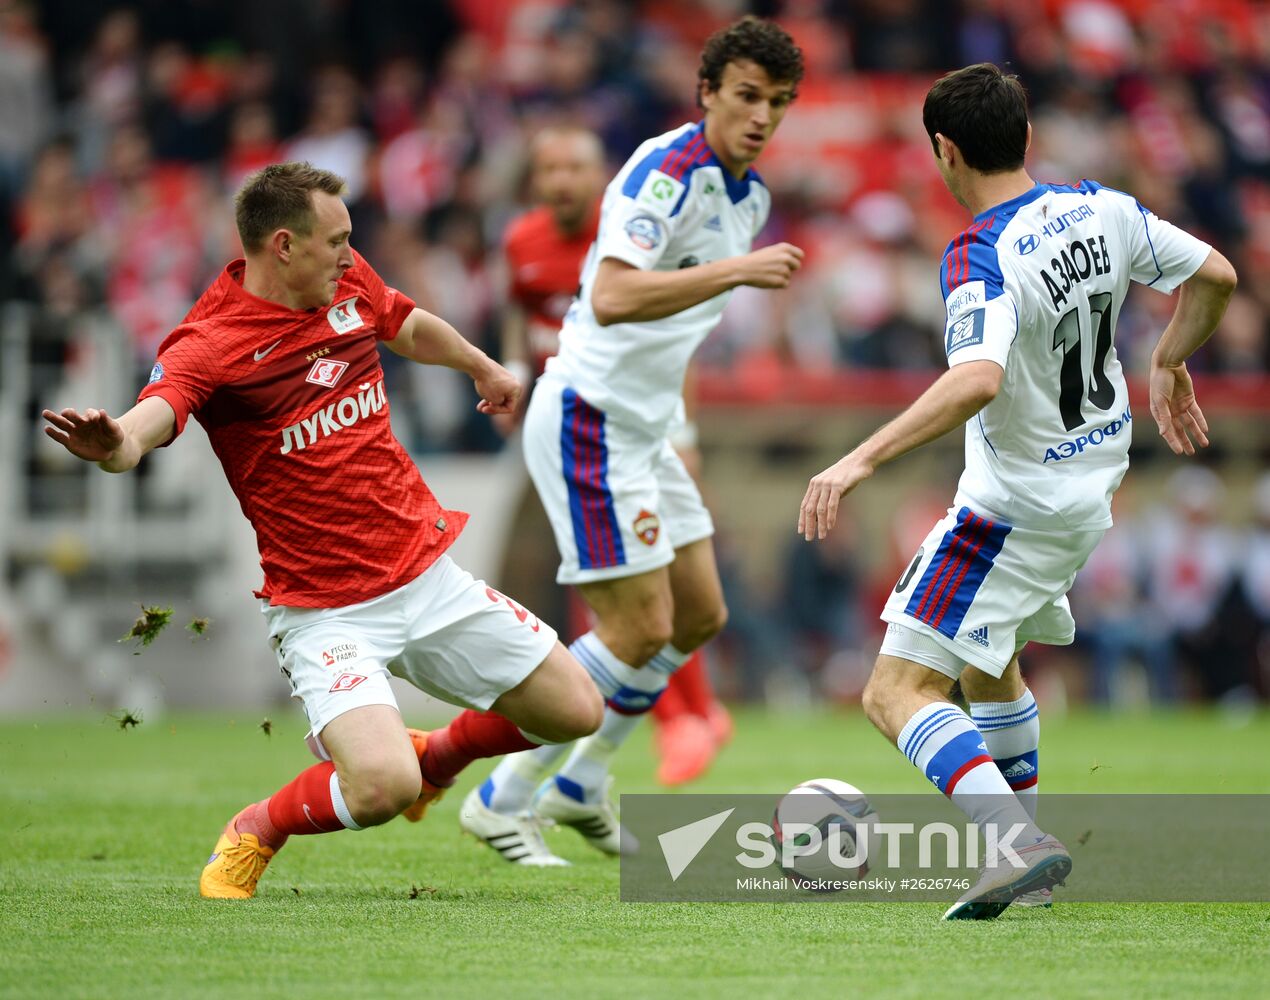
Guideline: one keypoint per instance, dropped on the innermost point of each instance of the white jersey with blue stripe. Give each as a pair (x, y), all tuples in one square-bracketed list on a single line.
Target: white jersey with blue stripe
[(1036, 285), (672, 206)]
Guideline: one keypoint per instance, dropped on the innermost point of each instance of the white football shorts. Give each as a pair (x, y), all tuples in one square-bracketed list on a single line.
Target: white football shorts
[(619, 498), (445, 632), (981, 588)]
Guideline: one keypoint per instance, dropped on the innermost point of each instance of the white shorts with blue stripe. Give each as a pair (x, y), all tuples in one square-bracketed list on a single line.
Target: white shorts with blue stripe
[(981, 587), (619, 499)]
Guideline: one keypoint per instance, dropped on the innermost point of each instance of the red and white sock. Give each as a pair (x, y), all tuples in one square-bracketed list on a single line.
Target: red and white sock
[(310, 803), (469, 736)]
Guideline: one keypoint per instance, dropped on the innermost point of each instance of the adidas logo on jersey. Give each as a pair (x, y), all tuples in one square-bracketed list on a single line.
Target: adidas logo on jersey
[(714, 224), (979, 635), (1019, 769)]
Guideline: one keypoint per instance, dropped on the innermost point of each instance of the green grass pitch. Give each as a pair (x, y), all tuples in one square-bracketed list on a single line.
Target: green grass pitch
[(103, 833)]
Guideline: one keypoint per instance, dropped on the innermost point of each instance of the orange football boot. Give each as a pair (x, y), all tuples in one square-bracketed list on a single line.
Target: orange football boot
[(431, 793), (237, 862)]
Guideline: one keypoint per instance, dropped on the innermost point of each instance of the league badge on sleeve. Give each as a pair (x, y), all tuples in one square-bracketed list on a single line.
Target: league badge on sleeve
[(156, 373), (644, 231)]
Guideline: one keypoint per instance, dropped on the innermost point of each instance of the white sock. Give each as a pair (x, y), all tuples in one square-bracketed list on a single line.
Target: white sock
[(582, 777), (339, 805), (944, 744), (1012, 730), (511, 785)]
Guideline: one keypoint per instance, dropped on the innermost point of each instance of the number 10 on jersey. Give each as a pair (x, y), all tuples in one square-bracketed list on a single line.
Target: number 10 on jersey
[(1074, 385)]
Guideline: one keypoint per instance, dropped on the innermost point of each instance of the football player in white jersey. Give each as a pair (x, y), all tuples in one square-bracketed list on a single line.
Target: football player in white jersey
[(1033, 289), (676, 229)]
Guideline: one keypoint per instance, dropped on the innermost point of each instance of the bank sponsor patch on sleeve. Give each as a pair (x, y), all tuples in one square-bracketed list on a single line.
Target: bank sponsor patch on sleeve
[(965, 332)]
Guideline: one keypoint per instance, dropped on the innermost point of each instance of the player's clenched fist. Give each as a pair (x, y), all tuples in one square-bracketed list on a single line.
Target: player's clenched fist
[(772, 267), (819, 511), (498, 388)]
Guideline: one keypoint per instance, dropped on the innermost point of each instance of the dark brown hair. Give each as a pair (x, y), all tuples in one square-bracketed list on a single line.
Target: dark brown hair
[(763, 42), (280, 196), (982, 110)]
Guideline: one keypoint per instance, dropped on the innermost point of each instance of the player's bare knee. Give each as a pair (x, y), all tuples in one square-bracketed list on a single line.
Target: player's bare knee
[(584, 716), (702, 628), (977, 685), (592, 713), (376, 797), (649, 636), (576, 716), (875, 697)]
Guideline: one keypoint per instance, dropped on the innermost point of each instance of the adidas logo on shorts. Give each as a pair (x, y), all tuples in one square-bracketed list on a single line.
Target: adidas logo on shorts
[(979, 635)]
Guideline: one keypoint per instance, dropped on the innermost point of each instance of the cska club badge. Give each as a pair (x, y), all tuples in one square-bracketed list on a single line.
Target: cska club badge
[(647, 525)]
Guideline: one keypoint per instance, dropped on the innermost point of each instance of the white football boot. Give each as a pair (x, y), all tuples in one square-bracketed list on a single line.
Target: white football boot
[(596, 821), (1047, 864), (1038, 898), (517, 838)]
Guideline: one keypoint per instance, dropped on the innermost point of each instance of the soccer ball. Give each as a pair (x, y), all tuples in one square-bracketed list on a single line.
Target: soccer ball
[(819, 819)]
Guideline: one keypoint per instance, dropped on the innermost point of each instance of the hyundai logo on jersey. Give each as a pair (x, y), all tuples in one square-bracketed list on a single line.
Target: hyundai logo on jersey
[(1024, 245)]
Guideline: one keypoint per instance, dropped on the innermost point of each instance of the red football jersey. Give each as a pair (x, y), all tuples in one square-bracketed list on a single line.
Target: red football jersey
[(293, 402), (545, 269)]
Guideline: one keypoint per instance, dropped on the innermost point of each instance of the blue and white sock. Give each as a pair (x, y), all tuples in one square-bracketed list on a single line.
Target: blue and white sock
[(944, 744), (510, 787), (1012, 730), (629, 694)]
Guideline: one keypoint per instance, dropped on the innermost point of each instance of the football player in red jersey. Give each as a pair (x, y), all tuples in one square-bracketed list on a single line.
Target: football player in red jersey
[(278, 361), (545, 246)]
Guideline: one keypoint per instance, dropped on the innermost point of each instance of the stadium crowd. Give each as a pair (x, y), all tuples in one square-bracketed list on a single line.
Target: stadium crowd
[(125, 130)]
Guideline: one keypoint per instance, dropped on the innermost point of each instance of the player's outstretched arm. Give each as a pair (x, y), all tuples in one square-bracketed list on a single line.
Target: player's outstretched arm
[(430, 340), (623, 293), (1201, 303), (115, 445), (958, 395)]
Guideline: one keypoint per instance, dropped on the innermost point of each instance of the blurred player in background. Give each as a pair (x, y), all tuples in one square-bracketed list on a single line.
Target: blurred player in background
[(545, 249), (676, 228), (1032, 290), (278, 361)]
